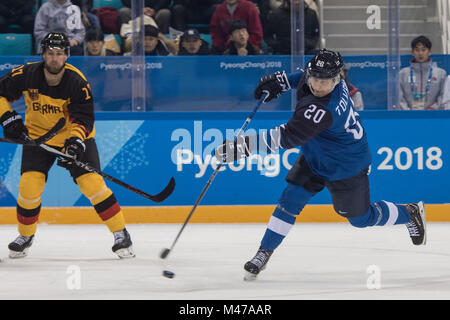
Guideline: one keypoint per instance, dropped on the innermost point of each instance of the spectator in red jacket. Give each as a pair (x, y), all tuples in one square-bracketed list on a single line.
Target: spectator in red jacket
[(225, 14)]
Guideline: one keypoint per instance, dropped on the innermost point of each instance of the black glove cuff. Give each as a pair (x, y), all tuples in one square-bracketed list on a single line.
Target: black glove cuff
[(9, 117)]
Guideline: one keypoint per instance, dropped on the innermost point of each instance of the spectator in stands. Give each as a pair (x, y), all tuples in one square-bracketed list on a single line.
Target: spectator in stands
[(225, 14), (191, 44), (19, 12), (126, 31), (239, 44), (60, 16), (89, 19), (186, 12), (354, 92), (157, 9), (277, 33), (170, 45), (422, 83), (95, 44), (154, 43)]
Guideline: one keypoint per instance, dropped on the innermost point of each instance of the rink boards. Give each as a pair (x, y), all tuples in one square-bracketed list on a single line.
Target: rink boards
[(409, 152), (203, 214)]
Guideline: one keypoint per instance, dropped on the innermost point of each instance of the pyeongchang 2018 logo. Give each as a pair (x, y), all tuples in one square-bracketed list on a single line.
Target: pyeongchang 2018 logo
[(196, 147), (8, 66)]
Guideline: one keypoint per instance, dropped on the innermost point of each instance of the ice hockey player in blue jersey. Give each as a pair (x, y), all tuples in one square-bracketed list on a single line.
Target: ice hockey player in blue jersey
[(335, 154)]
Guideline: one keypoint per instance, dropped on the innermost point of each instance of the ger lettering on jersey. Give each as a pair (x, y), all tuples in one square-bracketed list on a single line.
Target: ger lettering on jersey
[(71, 99)]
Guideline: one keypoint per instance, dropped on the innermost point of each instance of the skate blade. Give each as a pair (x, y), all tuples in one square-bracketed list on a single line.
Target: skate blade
[(248, 276), (422, 215), (125, 253), (18, 254)]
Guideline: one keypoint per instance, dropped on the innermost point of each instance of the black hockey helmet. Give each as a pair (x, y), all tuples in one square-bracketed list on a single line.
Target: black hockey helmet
[(55, 40), (326, 64)]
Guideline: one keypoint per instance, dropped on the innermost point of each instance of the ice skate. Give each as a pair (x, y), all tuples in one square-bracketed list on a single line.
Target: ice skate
[(257, 264), (417, 228), (19, 247), (123, 246)]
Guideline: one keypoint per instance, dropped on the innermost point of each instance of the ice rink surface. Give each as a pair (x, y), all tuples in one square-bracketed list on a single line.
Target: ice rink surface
[(316, 261)]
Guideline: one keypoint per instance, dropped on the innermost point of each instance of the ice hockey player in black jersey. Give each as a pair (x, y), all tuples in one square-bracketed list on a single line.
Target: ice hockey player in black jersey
[(54, 89), (335, 154)]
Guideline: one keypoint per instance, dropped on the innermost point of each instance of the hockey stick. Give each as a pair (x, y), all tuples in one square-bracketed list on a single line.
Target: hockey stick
[(165, 252), (42, 139), (71, 160)]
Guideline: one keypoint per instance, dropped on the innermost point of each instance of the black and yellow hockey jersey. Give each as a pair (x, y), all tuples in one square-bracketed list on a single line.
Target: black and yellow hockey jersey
[(71, 99)]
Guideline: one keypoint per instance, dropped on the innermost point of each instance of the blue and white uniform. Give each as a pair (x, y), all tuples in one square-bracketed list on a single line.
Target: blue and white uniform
[(329, 130), (335, 154)]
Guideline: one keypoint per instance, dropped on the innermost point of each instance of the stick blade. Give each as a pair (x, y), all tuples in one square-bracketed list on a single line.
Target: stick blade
[(163, 195), (52, 132), (164, 253)]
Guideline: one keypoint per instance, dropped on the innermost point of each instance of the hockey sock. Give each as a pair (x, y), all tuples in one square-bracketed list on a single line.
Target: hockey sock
[(291, 203), (105, 204), (382, 213), (29, 202)]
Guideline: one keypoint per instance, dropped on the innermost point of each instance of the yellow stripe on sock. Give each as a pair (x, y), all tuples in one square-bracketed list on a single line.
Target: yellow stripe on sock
[(116, 223), (27, 230)]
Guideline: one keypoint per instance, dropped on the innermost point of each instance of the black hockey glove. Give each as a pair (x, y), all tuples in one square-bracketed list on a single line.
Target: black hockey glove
[(65, 163), (75, 147), (231, 151), (272, 86), (13, 127)]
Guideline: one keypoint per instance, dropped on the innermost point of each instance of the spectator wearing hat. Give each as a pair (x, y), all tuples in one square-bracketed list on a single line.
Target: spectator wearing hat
[(191, 44), (155, 43), (239, 44), (95, 44), (225, 14), (153, 46)]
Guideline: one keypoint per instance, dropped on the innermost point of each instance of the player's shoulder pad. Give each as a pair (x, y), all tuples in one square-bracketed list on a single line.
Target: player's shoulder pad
[(75, 74), (32, 65), (309, 100), (24, 69)]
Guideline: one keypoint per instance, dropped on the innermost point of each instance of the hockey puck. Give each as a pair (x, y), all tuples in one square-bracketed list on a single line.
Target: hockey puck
[(168, 274)]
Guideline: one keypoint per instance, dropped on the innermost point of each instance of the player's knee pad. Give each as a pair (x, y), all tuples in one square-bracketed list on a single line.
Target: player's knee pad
[(93, 187), (31, 185), (362, 221), (294, 199)]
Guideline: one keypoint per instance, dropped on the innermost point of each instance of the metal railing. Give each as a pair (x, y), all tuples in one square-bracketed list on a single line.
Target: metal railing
[(322, 42)]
